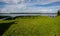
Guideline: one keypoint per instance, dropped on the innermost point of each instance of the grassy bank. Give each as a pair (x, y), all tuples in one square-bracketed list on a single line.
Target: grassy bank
[(34, 26)]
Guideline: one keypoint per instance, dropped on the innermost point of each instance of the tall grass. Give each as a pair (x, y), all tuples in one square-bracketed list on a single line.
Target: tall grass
[(34, 26)]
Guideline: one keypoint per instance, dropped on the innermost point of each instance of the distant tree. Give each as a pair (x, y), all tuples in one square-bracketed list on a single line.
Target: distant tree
[(58, 13)]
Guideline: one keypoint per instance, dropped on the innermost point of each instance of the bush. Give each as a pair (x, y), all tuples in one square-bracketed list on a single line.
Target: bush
[(58, 13)]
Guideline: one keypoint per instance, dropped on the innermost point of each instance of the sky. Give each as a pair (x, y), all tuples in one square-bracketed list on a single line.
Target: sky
[(29, 6)]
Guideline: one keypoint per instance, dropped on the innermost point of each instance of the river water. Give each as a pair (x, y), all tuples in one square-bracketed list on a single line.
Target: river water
[(28, 14)]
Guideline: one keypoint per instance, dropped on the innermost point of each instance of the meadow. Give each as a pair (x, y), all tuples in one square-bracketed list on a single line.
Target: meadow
[(31, 26)]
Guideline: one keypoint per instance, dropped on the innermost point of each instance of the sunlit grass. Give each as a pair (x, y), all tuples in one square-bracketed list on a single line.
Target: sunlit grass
[(34, 26)]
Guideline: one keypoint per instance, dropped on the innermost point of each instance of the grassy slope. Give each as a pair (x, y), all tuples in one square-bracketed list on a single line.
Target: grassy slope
[(4, 25), (34, 26)]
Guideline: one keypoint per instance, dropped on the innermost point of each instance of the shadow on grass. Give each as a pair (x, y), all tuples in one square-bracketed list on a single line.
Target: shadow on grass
[(4, 27)]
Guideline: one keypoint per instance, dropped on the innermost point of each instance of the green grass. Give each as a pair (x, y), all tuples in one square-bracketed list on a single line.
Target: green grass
[(4, 25), (34, 26)]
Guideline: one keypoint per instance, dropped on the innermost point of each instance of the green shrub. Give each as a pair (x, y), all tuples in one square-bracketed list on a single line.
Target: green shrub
[(58, 13)]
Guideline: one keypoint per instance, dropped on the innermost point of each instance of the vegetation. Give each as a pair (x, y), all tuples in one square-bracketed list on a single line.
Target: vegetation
[(58, 13), (31, 26), (4, 25), (2, 16)]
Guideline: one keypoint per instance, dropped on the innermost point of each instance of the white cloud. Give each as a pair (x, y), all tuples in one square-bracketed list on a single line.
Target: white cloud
[(23, 7), (48, 1), (40, 1), (11, 8), (12, 1)]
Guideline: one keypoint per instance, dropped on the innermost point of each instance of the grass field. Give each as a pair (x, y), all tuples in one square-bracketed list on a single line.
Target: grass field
[(31, 26)]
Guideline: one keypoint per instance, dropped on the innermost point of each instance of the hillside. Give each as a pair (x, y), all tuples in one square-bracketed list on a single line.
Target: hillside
[(32, 26)]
